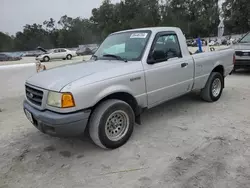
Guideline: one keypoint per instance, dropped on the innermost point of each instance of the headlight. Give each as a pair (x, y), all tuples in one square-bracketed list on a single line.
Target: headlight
[(60, 100)]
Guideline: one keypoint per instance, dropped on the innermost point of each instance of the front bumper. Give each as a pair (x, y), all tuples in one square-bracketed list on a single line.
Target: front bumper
[(242, 63), (56, 124)]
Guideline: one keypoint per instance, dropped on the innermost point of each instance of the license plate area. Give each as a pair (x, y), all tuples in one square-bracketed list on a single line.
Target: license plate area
[(29, 116)]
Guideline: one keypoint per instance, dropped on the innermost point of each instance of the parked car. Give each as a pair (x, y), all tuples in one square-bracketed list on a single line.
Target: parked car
[(211, 43), (189, 42), (6, 57), (242, 52), (60, 53), (32, 53), (86, 50), (131, 71)]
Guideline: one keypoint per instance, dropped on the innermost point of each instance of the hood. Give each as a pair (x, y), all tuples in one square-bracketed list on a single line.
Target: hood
[(57, 78), (241, 46), (41, 49)]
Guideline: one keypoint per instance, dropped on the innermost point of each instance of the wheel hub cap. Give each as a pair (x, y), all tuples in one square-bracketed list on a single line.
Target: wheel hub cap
[(117, 125), (216, 87)]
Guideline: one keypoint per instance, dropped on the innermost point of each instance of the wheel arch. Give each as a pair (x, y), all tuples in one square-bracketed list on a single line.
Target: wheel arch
[(220, 69), (123, 96)]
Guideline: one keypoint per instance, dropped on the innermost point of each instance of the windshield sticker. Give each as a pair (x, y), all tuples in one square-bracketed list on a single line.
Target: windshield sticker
[(139, 35)]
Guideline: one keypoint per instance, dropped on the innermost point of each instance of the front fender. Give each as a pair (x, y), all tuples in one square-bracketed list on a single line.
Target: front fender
[(111, 90), (89, 96)]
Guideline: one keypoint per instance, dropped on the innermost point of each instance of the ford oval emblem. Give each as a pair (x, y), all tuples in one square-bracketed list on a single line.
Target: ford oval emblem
[(31, 95)]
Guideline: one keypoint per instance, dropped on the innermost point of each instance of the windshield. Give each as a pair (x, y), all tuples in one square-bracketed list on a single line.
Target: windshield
[(127, 45), (245, 39)]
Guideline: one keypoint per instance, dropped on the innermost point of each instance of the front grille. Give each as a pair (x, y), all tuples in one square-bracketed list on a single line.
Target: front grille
[(34, 95), (240, 53)]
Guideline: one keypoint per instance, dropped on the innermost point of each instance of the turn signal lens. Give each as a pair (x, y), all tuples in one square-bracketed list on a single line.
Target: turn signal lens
[(67, 100)]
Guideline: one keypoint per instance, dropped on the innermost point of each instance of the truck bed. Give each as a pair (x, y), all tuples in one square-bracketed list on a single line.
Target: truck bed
[(203, 66)]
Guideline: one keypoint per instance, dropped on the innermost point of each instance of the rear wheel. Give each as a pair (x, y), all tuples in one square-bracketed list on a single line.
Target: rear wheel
[(46, 59), (111, 124), (214, 87), (69, 57)]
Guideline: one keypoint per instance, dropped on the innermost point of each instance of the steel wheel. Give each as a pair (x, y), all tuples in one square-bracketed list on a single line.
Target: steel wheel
[(216, 87), (111, 124), (117, 125)]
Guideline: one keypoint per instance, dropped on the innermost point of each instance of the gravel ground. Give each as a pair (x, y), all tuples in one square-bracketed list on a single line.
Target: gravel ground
[(185, 143)]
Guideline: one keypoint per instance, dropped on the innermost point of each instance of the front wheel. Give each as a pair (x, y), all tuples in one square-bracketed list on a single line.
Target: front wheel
[(68, 57), (111, 124), (214, 87), (46, 59)]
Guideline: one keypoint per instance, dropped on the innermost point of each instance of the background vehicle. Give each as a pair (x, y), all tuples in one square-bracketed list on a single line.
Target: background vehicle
[(242, 52), (60, 53), (131, 71), (87, 49), (6, 57), (84, 51), (189, 42), (34, 53)]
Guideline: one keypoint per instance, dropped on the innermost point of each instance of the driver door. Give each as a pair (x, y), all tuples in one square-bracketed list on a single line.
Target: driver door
[(168, 73)]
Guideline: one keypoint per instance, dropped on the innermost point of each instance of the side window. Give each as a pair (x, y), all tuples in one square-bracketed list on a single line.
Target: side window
[(166, 46), (56, 51), (62, 50)]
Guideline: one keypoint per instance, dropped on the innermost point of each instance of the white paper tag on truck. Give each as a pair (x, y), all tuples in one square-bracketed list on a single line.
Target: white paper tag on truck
[(138, 35)]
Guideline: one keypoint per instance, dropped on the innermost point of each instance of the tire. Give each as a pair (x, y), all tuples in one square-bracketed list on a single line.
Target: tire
[(68, 57), (46, 59), (105, 123), (211, 93)]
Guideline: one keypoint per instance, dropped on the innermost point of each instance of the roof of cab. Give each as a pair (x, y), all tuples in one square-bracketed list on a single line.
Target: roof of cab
[(153, 29)]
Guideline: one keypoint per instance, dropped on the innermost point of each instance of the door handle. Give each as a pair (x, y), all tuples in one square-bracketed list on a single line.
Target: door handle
[(184, 65)]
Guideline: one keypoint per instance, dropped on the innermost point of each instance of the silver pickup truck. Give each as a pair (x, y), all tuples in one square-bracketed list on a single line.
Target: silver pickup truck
[(242, 52), (131, 71)]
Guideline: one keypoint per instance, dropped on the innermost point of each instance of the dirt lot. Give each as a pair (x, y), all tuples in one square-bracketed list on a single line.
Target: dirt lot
[(185, 143)]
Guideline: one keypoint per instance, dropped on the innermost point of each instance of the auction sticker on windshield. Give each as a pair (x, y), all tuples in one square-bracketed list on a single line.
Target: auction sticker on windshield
[(139, 35)]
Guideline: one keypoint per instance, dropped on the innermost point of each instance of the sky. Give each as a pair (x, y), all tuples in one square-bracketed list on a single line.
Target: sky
[(14, 14)]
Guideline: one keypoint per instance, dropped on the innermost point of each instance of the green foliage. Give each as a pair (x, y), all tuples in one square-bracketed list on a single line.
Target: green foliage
[(194, 17), (237, 16), (6, 42)]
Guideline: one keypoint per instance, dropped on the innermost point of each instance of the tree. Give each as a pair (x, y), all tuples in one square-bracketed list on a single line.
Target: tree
[(31, 37), (236, 16), (194, 17), (6, 43)]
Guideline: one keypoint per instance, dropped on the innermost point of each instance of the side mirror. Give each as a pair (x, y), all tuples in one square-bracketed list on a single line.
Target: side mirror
[(156, 56)]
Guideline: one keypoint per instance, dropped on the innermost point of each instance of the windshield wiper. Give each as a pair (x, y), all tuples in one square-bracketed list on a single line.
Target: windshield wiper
[(115, 56)]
